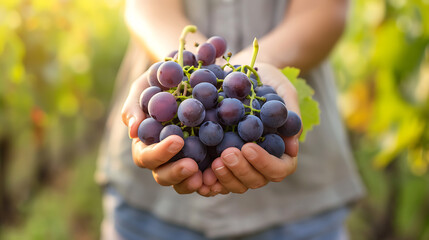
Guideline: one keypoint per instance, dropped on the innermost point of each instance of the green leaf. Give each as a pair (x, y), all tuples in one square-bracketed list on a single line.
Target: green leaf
[(310, 112)]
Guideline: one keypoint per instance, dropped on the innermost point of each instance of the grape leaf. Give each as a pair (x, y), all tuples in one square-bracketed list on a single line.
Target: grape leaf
[(310, 112)]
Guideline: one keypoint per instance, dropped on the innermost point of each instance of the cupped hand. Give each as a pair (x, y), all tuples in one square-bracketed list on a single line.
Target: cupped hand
[(183, 174), (237, 171)]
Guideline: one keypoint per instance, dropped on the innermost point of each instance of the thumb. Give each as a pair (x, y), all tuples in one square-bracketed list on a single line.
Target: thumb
[(132, 114)]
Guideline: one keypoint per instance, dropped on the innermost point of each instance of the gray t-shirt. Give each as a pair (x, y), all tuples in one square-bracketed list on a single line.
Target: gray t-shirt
[(326, 177)]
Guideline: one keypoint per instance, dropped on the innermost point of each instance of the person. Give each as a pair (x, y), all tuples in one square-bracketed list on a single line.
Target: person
[(256, 196)]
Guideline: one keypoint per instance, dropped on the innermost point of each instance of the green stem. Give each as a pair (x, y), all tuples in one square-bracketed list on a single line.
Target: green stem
[(182, 41)]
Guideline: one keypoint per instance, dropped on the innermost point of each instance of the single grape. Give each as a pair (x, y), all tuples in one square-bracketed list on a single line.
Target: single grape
[(153, 76), (216, 69), (271, 96), (162, 106), (210, 133), (206, 53), (264, 89), (149, 130), (146, 95), (237, 85), (191, 112), (230, 139), (230, 111), (189, 58), (273, 114), (250, 128), (273, 144), (170, 74), (206, 93), (219, 43), (202, 75), (211, 115), (194, 149), (170, 130), (203, 165), (292, 126)]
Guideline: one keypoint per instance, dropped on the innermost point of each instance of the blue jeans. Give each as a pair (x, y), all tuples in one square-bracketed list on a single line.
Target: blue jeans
[(124, 222)]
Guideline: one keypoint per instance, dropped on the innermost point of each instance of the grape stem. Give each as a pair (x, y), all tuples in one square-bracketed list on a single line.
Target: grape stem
[(182, 41)]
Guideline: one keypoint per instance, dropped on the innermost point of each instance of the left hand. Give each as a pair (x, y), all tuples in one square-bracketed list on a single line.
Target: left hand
[(236, 171)]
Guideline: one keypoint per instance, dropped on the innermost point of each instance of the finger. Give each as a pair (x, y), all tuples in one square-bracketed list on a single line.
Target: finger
[(176, 172), (132, 114), (204, 191), (242, 169), (273, 169), (219, 188), (155, 155), (191, 184), (209, 177), (226, 178), (291, 145)]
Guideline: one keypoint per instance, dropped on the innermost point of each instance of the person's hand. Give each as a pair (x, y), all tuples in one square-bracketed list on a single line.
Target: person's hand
[(236, 171), (183, 174)]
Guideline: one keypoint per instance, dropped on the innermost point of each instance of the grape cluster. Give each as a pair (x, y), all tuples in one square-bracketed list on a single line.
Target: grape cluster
[(210, 108)]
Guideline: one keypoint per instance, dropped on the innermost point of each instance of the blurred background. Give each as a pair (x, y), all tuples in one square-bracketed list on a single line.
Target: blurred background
[(58, 62)]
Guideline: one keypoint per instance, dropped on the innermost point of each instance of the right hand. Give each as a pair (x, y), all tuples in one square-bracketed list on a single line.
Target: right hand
[(183, 174)]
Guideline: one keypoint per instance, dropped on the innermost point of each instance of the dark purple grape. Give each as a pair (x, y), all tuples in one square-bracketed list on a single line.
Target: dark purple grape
[(212, 153), (149, 130), (264, 89), (268, 130), (210, 133), (146, 95), (189, 58), (273, 144), (230, 111), (202, 75), (292, 126), (176, 157), (203, 165), (162, 106), (250, 128), (219, 43), (191, 112), (270, 97), (170, 130), (206, 53), (230, 139), (194, 149), (273, 114), (237, 85), (153, 76), (216, 69), (170, 74), (211, 115), (206, 93)]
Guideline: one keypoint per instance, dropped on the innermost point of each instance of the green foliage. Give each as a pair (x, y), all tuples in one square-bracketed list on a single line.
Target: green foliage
[(310, 112), (58, 64), (383, 71)]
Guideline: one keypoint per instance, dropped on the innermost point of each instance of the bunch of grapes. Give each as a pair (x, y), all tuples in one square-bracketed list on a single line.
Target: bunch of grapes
[(210, 108)]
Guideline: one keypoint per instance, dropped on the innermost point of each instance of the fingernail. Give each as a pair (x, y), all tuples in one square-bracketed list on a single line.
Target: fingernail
[(186, 172), (250, 153), (174, 147), (231, 159), (130, 124), (221, 170)]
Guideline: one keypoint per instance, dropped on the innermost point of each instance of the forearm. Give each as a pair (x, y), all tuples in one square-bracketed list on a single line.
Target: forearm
[(157, 25), (305, 37)]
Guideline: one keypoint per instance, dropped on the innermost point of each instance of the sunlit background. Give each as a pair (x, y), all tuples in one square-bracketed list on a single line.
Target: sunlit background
[(58, 62)]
